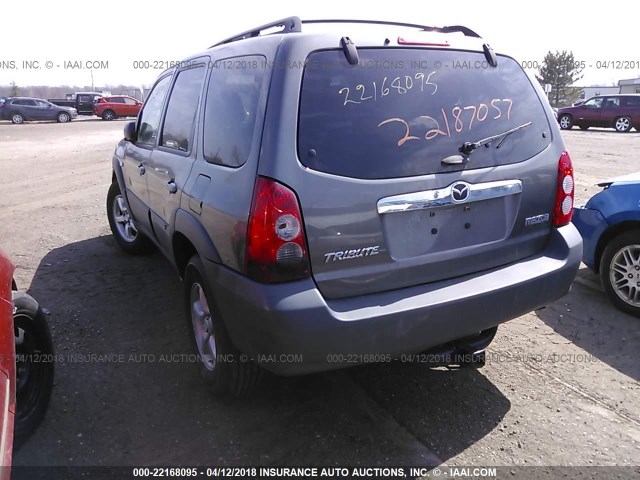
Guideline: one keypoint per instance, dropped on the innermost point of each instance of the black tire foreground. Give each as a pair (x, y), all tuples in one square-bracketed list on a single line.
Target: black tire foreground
[(34, 366)]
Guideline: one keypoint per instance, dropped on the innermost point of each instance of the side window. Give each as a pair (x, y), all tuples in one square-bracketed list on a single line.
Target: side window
[(42, 104), (150, 118), (85, 98), (594, 103), (182, 108), (612, 102), (232, 105), (129, 101), (633, 101), (117, 100)]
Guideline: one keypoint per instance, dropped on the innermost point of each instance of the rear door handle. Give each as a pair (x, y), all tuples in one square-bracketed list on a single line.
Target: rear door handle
[(141, 169), (172, 187)]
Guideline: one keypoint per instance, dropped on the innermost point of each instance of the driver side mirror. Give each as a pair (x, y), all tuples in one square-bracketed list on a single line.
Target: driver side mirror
[(130, 133)]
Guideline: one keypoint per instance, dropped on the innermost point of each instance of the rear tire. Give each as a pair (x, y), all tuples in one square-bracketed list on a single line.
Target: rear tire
[(622, 124), (566, 122), (122, 226), (222, 366), (17, 118), (620, 271), (34, 365)]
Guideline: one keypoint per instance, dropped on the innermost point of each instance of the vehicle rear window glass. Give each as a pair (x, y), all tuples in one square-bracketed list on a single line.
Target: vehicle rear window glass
[(181, 112), (232, 107), (399, 112)]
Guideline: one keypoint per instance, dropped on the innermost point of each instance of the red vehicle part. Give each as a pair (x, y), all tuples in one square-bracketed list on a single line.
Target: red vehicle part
[(7, 366)]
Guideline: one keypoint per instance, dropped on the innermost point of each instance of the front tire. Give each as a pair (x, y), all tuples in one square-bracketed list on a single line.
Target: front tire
[(622, 124), (122, 226), (221, 365), (63, 117), (620, 271), (34, 365), (108, 115), (566, 122), (17, 118)]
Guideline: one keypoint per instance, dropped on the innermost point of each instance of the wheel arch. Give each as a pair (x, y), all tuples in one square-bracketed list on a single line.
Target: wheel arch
[(190, 237), (612, 232)]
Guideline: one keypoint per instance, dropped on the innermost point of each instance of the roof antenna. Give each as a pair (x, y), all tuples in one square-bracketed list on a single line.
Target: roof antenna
[(350, 51)]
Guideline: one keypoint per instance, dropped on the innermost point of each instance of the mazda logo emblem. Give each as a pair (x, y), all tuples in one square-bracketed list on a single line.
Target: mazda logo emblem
[(460, 192)]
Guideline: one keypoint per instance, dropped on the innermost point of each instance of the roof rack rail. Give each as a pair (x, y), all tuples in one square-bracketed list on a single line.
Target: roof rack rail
[(289, 24), (450, 29), (294, 25)]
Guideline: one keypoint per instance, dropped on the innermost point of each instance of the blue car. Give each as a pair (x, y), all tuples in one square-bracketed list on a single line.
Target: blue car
[(610, 227)]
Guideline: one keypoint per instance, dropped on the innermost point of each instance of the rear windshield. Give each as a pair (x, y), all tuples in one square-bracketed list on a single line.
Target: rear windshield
[(399, 112)]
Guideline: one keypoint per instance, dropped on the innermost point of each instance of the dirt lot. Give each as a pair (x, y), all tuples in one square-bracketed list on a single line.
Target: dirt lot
[(523, 408)]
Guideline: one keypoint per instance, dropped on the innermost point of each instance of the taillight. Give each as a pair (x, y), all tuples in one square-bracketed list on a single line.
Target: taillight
[(563, 209), (276, 244)]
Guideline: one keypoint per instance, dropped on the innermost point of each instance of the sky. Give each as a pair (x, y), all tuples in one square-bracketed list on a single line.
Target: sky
[(56, 42)]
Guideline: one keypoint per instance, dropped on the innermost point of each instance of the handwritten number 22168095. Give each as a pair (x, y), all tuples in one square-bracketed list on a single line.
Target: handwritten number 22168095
[(399, 85)]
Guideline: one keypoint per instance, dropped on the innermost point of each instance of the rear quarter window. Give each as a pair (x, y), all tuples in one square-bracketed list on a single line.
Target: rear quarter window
[(399, 112), (633, 101), (233, 98)]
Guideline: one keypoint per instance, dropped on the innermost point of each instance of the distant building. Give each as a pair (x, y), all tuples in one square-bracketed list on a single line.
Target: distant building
[(631, 85), (589, 92)]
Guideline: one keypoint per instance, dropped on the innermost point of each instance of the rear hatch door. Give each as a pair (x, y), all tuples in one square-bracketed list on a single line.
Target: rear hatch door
[(421, 165)]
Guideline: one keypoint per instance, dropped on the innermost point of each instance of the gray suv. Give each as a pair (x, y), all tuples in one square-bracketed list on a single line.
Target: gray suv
[(332, 199)]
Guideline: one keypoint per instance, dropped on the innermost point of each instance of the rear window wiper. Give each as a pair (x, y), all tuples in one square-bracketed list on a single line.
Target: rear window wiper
[(468, 147)]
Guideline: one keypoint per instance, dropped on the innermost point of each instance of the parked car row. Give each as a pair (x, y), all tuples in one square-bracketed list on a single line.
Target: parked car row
[(621, 112), (21, 109)]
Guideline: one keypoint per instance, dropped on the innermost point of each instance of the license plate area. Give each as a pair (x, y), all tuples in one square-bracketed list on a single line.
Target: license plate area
[(448, 228)]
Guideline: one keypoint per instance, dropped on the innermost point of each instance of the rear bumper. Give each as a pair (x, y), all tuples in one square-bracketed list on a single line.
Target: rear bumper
[(291, 329)]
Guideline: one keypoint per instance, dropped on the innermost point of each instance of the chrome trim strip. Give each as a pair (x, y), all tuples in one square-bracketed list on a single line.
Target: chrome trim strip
[(443, 197)]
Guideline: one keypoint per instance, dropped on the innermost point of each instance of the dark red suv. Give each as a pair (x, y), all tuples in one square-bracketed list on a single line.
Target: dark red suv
[(621, 112), (117, 106)]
